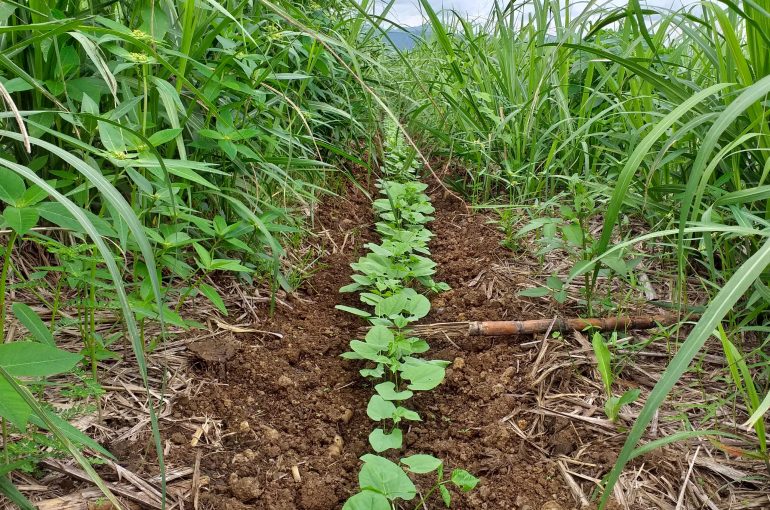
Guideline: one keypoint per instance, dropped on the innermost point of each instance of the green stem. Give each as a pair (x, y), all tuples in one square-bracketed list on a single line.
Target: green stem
[(3, 283), (3, 276), (189, 289), (424, 501)]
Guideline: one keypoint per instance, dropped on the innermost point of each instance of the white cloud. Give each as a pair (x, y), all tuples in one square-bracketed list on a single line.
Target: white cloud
[(410, 13)]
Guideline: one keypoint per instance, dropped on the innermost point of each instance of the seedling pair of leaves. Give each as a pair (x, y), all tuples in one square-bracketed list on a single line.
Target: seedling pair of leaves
[(614, 403), (384, 274), (399, 309), (394, 351), (417, 237), (382, 482)]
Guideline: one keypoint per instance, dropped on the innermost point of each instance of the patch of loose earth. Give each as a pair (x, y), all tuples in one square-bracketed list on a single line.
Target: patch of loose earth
[(289, 417)]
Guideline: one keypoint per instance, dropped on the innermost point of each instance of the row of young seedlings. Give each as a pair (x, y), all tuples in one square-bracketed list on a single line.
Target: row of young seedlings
[(387, 280)]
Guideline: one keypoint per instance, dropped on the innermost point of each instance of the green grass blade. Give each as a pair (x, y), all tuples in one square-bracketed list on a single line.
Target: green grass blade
[(733, 290)]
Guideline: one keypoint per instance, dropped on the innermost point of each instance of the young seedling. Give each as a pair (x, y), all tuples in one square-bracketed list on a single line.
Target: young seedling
[(383, 280), (614, 403)]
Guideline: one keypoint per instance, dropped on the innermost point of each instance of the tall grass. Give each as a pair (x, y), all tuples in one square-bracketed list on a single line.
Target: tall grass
[(662, 114), (182, 136)]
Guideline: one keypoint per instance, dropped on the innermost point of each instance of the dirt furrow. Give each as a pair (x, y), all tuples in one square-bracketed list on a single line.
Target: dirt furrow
[(292, 406)]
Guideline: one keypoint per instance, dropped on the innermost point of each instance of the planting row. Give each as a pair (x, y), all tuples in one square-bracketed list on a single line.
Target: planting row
[(388, 279)]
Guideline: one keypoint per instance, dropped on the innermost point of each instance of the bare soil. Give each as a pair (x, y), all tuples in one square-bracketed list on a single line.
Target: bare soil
[(292, 404)]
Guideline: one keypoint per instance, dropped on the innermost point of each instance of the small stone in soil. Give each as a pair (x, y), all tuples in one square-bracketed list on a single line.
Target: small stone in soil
[(270, 433), (285, 382), (245, 489), (346, 415)]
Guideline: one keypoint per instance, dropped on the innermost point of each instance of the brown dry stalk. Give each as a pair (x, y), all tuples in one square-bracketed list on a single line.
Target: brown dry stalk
[(539, 326)]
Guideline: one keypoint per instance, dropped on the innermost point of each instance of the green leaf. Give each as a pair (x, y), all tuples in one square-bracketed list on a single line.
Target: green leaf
[(13, 494), (203, 255), (421, 463), (12, 406), (380, 409), (387, 390), (423, 376), (419, 306), (381, 441), (58, 214), (164, 136), (29, 359), (32, 196), (354, 311), (379, 336), (377, 372), (12, 186), (367, 500), (213, 296), (33, 323), (407, 414), (20, 220), (391, 305), (603, 359), (367, 351), (535, 292), (383, 476), (464, 480), (445, 495), (228, 265), (722, 303)]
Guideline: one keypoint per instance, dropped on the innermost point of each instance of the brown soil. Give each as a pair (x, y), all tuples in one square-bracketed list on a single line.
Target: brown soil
[(277, 404)]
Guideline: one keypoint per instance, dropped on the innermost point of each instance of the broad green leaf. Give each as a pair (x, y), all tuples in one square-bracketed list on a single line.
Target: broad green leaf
[(423, 376), (464, 480), (12, 186), (203, 255), (421, 463), (58, 214), (12, 406), (229, 265), (33, 323), (367, 351), (213, 296), (21, 220), (381, 441), (367, 500), (383, 476), (392, 305), (406, 414), (419, 306), (387, 390), (377, 372), (164, 136), (380, 337), (31, 359), (380, 409)]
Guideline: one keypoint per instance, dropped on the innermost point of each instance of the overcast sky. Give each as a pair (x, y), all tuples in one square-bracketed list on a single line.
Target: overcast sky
[(407, 12)]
